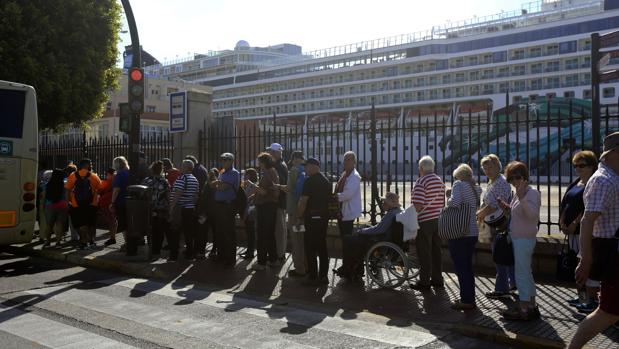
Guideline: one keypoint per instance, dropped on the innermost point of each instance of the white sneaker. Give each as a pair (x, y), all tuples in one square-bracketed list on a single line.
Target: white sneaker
[(258, 267)]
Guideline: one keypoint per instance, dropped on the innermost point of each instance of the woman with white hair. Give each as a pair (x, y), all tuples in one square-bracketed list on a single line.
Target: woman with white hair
[(497, 190), (465, 192)]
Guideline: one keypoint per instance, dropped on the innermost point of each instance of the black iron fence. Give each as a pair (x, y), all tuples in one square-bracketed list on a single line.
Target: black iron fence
[(544, 135), (57, 152)]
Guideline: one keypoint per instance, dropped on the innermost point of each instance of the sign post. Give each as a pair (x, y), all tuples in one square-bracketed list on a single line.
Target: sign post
[(178, 112)]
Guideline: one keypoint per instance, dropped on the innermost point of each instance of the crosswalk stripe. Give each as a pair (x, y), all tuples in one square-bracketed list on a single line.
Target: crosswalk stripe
[(209, 330), (50, 333), (407, 337)]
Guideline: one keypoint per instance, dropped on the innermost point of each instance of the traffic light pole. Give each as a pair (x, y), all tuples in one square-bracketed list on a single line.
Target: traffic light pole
[(134, 134)]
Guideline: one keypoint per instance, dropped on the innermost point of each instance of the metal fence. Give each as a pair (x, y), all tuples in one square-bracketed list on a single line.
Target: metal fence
[(57, 153), (389, 144)]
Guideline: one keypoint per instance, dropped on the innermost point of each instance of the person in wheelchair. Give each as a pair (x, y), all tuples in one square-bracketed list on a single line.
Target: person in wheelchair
[(362, 239)]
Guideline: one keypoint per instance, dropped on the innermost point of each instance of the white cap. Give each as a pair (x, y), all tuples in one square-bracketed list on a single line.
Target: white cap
[(275, 147)]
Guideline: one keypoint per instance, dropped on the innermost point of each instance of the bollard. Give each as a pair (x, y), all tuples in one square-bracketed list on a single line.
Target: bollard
[(138, 218)]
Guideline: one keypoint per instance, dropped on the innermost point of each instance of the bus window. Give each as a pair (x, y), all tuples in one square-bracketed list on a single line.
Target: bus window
[(12, 104)]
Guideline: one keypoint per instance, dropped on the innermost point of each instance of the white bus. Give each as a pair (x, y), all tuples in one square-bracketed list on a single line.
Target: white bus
[(18, 162)]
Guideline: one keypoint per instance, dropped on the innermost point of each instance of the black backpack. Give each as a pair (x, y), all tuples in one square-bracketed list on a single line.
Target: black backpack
[(82, 190)]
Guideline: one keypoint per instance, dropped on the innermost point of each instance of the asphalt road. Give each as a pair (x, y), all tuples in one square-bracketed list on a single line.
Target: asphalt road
[(47, 304)]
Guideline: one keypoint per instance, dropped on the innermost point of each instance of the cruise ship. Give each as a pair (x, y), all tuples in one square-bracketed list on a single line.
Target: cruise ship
[(537, 53)]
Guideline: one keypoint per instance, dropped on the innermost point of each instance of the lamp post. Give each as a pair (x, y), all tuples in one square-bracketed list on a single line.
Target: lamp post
[(134, 132)]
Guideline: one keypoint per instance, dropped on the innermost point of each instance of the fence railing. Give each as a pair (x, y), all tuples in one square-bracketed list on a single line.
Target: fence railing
[(57, 153), (543, 135)]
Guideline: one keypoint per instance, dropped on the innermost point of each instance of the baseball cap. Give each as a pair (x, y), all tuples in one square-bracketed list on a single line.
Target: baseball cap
[(276, 147), (312, 161), (227, 156), (611, 142)]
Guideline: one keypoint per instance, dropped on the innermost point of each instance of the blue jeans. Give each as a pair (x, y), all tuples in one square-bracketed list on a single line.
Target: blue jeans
[(461, 251), (505, 277), (523, 253)]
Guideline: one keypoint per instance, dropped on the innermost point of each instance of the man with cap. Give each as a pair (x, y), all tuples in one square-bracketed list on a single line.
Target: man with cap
[(312, 211), (226, 187), (599, 236), (281, 233)]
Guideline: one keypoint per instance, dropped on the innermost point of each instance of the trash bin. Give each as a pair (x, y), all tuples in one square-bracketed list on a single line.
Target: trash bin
[(138, 216)]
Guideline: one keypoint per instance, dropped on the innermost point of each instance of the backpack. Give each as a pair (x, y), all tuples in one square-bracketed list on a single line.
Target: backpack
[(82, 190)]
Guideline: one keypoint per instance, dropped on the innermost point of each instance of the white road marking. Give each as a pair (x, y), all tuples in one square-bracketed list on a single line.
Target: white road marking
[(50, 333), (399, 336)]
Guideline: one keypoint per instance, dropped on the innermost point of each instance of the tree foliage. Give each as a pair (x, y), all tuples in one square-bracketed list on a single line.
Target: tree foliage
[(65, 49)]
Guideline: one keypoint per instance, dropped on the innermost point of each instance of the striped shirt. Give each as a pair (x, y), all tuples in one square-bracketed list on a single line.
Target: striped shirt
[(465, 193), (602, 195), (429, 191), (189, 186)]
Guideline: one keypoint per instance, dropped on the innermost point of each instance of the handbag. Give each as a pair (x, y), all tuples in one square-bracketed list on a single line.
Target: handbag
[(498, 220), (567, 260), (454, 222), (503, 251)]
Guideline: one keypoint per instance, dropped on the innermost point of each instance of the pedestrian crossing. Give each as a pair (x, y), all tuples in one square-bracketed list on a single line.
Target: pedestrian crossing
[(227, 320), (52, 334)]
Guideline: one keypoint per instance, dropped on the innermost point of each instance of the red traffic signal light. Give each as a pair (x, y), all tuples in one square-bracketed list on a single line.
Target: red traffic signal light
[(136, 74), (136, 90)]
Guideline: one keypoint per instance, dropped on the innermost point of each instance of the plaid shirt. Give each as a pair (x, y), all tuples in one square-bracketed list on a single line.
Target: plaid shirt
[(602, 195), (495, 190)]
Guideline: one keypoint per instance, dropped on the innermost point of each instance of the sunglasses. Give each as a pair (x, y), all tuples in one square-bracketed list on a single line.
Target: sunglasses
[(514, 178), (581, 165)]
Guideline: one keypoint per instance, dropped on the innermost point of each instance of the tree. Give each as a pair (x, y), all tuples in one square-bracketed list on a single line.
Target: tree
[(65, 49)]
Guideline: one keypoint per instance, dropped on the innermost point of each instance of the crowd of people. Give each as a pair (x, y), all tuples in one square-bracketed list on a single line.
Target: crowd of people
[(281, 204)]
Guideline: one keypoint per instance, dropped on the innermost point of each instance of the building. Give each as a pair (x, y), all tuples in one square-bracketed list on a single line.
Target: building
[(154, 120), (543, 49)]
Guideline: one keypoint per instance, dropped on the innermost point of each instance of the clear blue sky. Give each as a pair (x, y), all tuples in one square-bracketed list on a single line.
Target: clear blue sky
[(177, 28)]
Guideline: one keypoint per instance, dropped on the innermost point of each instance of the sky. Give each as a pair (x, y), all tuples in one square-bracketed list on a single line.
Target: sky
[(171, 29)]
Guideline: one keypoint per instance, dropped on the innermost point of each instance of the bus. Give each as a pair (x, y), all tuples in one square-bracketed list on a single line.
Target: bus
[(19, 146)]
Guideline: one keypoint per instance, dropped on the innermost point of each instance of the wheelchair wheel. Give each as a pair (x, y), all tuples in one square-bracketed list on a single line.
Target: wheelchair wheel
[(386, 265)]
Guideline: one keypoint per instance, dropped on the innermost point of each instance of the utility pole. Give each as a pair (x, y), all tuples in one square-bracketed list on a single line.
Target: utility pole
[(134, 132)]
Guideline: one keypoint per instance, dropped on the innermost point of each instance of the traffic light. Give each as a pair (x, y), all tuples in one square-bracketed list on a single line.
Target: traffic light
[(125, 118), (136, 90)]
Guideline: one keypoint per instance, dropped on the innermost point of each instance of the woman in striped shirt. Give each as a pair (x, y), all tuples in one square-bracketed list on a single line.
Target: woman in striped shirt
[(464, 192)]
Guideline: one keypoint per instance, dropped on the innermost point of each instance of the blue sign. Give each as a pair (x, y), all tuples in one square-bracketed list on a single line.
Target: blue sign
[(178, 112)]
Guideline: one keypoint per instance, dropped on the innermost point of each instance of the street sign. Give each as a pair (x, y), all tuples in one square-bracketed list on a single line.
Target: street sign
[(178, 112), (607, 56), (609, 75), (609, 39)]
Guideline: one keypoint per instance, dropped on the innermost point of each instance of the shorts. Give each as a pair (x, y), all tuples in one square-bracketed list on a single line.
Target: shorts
[(84, 216), (56, 217), (609, 302)]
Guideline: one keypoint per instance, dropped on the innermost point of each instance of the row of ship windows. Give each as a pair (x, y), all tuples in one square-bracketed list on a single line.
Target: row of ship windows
[(489, 73), (608, 92), (458, 62), (568, 81)]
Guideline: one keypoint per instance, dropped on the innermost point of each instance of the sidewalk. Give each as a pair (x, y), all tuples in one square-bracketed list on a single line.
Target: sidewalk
[(403, 307)]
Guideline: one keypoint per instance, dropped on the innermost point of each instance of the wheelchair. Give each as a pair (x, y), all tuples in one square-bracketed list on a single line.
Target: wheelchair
[(387, 263)]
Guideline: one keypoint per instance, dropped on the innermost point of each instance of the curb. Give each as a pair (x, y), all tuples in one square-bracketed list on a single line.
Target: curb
[(129, 269), (509, 338)]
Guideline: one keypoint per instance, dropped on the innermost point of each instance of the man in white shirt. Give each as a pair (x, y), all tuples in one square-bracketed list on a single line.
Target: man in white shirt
[(348, 191)]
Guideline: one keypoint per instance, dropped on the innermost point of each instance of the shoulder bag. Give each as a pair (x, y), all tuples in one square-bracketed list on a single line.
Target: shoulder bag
[(454, 222)]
